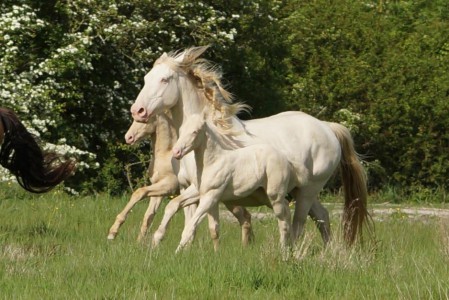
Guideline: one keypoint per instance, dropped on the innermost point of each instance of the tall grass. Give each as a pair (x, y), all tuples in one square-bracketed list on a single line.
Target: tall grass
[(54, 247)]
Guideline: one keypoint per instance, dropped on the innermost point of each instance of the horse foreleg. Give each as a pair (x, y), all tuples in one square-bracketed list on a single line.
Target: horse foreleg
[(282, 213), (244, 218), (207, 202), (187, 197), (154, 204), (214, 225), (189, 210), (121, 217), (158, 189)]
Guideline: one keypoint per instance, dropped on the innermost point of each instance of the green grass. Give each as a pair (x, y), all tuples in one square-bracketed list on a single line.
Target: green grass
[(54, 247)]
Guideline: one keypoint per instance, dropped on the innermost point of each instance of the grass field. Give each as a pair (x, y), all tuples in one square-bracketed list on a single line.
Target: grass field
[(54, 246)]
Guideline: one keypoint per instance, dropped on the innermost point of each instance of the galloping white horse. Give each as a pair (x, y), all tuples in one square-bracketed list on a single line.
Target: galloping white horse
[(226, 174), (187, 85)]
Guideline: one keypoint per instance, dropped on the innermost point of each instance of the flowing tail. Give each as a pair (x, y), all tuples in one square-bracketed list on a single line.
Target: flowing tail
[(37, 171), (353, 176)]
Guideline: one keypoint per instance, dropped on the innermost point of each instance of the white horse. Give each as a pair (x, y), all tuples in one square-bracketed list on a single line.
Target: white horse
[(226, 174), (164, 172), (187, 84)]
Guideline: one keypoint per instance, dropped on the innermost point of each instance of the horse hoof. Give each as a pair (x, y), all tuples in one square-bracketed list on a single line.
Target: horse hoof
[(111, 236)]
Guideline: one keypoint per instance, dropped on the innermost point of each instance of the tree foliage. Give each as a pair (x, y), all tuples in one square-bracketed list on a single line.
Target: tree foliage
[(380, 68), (71, 69)]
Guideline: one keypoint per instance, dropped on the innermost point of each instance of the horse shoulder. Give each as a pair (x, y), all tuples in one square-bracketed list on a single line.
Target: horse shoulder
[(247, 168), (217, 172)]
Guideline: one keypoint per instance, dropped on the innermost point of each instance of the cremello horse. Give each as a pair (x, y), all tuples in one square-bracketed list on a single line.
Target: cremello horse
[(187, 84), (36, 170), (228, 174), (163, 171)]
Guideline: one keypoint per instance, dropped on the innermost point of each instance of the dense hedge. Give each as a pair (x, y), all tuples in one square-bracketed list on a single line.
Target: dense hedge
[(72, 69), (388, 67)]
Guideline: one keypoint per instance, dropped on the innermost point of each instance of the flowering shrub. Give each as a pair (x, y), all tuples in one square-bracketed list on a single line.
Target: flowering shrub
[(70, 70)]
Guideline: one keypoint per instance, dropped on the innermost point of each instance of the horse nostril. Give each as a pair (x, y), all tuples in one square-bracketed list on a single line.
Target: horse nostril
[(177, 153), (129, 139), (141, 111)]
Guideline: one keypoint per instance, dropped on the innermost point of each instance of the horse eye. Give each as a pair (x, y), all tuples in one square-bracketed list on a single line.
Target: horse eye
[(164, 80)]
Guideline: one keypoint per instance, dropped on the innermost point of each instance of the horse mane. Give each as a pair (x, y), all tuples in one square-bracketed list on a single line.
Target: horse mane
[(207, 78), (37, 171), (227, 139)]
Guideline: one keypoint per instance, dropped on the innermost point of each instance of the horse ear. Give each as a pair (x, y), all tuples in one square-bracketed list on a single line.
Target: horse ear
[(164, 55), (180, 57), (191, 54)]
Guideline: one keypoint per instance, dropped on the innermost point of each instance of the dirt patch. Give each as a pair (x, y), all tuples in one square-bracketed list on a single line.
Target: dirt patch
[(380, 213), (415, 212)]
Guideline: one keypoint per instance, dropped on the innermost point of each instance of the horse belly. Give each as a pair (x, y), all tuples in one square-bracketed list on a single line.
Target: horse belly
[(256, 198)]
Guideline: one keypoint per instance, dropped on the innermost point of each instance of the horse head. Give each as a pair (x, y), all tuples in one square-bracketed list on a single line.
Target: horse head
[(162, 89), (191, 136), (138, 131)]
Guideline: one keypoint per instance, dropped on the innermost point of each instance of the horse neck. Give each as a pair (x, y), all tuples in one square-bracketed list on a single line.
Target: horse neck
[(164, 137), (189, 103), (209, 151)]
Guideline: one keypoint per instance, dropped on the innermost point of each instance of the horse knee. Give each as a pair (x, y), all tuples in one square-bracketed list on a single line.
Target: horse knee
[(280, 208), (214, 233)]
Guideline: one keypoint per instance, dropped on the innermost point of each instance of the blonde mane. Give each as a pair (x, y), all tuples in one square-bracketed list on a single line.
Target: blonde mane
[(207, 78)]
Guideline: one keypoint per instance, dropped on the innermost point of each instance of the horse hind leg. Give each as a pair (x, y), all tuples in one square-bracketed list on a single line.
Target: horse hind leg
[(304, 199), (244, 218), (320, 216), (154, 204)]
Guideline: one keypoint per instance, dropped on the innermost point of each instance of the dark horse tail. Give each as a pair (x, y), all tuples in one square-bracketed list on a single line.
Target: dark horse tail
[(37, 171)]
